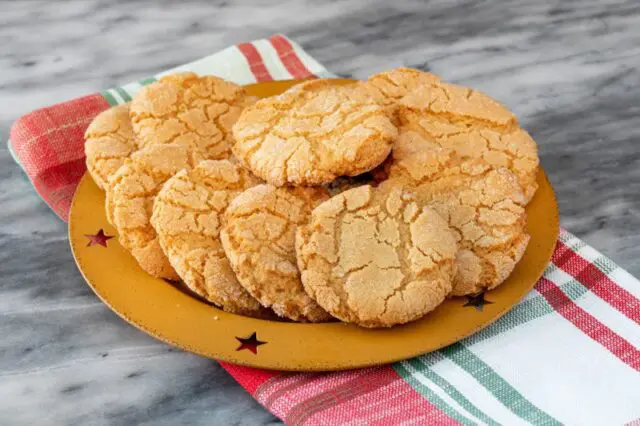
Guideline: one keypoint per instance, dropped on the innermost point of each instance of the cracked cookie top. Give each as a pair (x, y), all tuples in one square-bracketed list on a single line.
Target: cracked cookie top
[(375, 258), (129, 202), (483, 204), (185, 109), (312, 134), (474, 125), (259, 239), (388, 87), (109, 140), (187, 215)]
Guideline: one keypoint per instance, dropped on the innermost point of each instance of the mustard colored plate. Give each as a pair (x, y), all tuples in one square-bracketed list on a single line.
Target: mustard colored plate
[(172, 315)]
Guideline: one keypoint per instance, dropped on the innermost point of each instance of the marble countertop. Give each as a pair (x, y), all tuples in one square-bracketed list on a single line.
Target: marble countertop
[(569, 69)]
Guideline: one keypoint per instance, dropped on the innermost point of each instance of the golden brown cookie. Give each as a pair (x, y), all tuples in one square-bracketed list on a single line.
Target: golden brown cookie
[(109, 140), (130, 196), (185, 109), (259, 239), (482, 203), (388, 87), (187, 215), (312, 134), (475, 126), (375, 258)]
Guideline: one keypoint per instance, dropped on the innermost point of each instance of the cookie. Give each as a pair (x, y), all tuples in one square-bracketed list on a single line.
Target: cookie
[(259, 239), (475, 126), (312, 134), (185, 109), (483, 204), (388, 87), (129, 203), (187, 215), (375, 258), (109, 140)]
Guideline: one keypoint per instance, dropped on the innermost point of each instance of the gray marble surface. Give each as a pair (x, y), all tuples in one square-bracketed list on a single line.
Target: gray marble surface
[(569, 69)]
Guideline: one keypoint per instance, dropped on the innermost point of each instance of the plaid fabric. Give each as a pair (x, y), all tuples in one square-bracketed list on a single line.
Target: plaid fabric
[(567, 354)]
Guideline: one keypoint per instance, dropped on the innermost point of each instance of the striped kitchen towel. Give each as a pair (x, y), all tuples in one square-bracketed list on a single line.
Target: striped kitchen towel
[(567, 354)]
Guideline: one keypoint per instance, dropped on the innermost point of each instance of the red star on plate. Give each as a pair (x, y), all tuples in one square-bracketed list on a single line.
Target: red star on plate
[(251, 343), (99, 238)]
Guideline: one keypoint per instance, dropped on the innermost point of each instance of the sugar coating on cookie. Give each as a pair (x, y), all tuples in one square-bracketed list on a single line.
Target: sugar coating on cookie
[(475, 126), (388, 87), (187, 215), (375, 258), (312, 134), (483, 204), (109, 140), (129, 203), (185, 109), (259, 239)]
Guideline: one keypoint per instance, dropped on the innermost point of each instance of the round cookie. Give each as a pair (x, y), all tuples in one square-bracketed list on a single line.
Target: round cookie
[(129, 203), (475, 126), (109, 140), (482, 203), (259, 239), (375, 258), (312, 134), (187, 215), (185, 109)]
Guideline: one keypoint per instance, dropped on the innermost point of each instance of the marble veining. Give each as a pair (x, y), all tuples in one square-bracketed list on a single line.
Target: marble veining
[(569, 69)]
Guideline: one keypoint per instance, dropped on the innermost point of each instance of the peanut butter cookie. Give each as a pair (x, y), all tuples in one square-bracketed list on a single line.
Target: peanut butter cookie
[(187, 215), (130, 196), (375, 258), (109, 140), (475, 126), (185, 109), (259, 239), (483, 204), (312, 134)]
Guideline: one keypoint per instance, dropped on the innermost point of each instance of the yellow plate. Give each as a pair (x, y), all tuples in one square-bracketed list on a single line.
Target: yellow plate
[(170, 314)]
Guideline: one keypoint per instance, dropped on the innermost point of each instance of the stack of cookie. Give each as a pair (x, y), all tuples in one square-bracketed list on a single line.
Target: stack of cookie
[(370, 203)]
